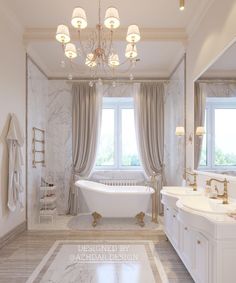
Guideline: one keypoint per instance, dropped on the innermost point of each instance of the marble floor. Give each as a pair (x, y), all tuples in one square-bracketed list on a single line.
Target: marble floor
[(83, 222), (21, 257)]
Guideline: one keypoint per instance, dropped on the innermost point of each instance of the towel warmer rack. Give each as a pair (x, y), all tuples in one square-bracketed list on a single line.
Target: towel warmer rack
[(38, 138)]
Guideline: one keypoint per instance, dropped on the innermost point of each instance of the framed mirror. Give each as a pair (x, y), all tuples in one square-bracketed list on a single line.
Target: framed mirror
[(215, 116)]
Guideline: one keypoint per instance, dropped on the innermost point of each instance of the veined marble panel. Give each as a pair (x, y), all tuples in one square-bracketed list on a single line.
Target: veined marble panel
[(59, 139), (100, 261), (36, 117), (174, 146)]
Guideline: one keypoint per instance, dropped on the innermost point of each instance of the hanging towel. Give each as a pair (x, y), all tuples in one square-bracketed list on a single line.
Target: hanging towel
[(15, 141)]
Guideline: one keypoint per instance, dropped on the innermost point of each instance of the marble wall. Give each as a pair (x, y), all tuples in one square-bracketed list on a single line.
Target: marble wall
[(37, 97), (59, 143), (174, 148), (49, 108)]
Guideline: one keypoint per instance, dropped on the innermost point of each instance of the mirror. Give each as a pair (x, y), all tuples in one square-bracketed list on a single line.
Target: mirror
[(215, 110)]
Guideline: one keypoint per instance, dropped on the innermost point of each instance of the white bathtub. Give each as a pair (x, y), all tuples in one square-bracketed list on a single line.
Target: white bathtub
[(115, 201)]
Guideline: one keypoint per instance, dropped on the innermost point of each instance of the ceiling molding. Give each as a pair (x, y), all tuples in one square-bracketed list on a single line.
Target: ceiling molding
[(219, 74), (147, 34)]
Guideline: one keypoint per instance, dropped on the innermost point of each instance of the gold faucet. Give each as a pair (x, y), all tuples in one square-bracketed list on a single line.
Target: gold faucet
[(194, 184), (225, 194)]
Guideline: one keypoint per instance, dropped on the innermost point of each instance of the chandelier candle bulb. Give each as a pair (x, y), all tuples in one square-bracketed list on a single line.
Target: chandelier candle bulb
[(112, 19), (133, 34), (114, 60), (131, 51), (79, 19), (63, 34), (89, 61), (70, 51)]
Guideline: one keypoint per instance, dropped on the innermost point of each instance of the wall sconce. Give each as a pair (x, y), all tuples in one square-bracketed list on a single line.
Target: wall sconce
[(180, 131), (200, 131), (181, 5)]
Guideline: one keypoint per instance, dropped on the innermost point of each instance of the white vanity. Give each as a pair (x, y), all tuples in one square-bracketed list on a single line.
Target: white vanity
[(201, 232)]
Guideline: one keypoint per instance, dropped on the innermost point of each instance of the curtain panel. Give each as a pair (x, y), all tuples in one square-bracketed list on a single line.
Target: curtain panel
[(149, 120), (86, 120)]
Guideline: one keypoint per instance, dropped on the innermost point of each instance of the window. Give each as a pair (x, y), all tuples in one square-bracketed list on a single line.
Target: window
[(219, 143), (117, 147)]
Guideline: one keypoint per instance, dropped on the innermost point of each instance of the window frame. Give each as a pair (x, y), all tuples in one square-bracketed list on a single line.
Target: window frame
[(118, 105), (212, 104)]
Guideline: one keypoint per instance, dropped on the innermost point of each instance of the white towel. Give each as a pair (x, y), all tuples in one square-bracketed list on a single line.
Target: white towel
[(15, 141)]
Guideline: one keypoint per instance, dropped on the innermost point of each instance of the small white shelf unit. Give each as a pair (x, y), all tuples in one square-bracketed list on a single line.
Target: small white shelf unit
[(47, 202)]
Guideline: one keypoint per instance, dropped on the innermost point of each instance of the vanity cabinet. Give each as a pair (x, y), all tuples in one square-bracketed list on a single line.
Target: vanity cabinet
[(205, 243), (200, 258), (186, 245), (191, 245)]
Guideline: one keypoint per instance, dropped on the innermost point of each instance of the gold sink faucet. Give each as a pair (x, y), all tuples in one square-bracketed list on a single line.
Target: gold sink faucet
[(194, 184), (225, 194)]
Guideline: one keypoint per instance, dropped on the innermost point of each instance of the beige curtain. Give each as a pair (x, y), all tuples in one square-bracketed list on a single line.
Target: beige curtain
[(149, 119), (86, 118), (199, 109), (203, 90)]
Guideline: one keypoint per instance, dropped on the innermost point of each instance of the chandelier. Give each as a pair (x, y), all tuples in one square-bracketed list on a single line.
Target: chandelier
[(98, 51)]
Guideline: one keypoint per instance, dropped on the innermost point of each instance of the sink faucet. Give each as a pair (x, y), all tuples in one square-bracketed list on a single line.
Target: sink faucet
[(194, 184), (225, 194)]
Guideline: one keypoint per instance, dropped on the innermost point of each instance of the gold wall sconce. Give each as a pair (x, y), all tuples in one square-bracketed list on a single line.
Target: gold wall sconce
[(180, 131)]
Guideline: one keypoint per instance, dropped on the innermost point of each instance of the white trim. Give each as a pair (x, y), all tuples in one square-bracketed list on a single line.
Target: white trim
[(117, 104), (213, 103)]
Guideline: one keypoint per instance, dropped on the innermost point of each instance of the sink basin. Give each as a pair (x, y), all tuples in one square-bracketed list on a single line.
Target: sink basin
[(181, 191), (204, 204)]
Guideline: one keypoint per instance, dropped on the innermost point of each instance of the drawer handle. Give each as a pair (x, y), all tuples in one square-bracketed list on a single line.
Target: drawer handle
[(186, 228), (199, 242), (174, 216)]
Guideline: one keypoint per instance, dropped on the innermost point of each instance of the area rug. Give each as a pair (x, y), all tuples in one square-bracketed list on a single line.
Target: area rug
[(84, 222), (100, 262)]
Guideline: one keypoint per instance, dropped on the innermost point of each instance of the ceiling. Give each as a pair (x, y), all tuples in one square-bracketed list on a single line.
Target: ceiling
[(225, 66), (164, 30)]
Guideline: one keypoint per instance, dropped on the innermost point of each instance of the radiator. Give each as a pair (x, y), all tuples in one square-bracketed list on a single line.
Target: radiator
[(119, 182)]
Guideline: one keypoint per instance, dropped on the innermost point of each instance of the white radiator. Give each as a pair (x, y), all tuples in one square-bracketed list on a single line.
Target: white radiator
[(119, 182)]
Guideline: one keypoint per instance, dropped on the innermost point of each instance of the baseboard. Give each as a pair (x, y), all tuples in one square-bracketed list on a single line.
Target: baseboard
[(12, 234)]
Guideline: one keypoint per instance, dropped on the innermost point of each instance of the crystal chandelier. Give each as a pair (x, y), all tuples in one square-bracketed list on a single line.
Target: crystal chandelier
[(98, 51)]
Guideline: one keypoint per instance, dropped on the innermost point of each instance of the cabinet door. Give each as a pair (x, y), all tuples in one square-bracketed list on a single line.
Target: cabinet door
[(175, 229), (201, 257), (186, 245), (168, 221)]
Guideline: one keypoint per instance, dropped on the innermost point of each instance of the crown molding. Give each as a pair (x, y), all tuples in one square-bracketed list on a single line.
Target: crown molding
[(148, 34), (219, 74)]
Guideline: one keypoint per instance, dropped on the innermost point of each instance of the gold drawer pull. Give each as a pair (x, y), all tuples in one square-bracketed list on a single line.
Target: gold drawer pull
[(186, 228), (199, 242)]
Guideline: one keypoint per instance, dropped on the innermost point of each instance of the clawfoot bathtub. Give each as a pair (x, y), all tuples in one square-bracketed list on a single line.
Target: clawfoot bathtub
[(115, 201)]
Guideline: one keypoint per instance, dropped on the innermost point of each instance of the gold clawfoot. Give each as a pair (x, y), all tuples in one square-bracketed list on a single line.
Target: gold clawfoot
[(140, 218), (96, 218)]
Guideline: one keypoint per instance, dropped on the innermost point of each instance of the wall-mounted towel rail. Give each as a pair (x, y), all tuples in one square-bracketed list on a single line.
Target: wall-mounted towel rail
[(38, 153)]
